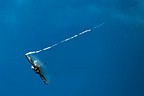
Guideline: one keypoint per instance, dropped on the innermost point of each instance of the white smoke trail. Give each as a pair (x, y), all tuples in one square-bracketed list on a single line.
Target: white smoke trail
[(81, 33)]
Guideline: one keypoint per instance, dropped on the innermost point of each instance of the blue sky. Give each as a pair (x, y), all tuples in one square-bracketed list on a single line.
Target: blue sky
[(107, 61)]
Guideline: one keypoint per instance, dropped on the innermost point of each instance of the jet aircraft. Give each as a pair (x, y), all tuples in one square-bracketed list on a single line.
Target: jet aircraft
[(36, 67)]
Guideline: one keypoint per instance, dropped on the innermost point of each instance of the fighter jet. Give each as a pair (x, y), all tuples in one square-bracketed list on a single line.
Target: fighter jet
[(36, 67)]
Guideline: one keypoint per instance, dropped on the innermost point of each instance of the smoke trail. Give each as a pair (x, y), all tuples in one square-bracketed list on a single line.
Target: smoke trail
[(81, 33)]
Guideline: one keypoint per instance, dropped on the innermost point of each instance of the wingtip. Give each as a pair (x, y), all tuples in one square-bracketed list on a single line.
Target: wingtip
[(46, 82)]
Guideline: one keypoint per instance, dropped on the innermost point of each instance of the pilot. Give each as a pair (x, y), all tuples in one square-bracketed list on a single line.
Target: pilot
[(36, 69)]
